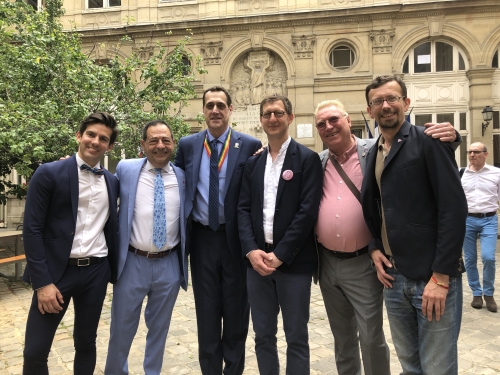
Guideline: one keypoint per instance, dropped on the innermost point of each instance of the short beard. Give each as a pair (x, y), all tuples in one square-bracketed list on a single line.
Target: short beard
[(393, 125)]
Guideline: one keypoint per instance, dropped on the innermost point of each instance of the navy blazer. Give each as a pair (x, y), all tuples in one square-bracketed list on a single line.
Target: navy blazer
[(188, 157), (50, 221), (424, 204), (296, 210)]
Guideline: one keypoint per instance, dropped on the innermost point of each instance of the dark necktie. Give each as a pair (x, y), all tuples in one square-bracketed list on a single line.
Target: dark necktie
[(159, 214), (213, 191), (96, 171)]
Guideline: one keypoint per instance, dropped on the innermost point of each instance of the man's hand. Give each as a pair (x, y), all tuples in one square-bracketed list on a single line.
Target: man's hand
[(260, 260), (444, 131), (273, 261), (434, 297), (259, 151), (379, 260), (49, 299)]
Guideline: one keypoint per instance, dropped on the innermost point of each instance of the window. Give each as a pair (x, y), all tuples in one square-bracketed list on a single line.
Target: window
[(358, 132), (494, 62), (420, 120), (96, 4), (36, 4), (463, 152), (434, 57), (342, 57)]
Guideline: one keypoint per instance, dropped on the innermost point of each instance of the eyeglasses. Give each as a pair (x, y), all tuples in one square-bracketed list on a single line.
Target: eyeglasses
[(474, 152), (332, 121), (390, 100), (277, 114), (220, 106)]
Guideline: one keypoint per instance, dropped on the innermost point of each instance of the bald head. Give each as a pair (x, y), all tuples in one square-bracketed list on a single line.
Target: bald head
[(477, 155)]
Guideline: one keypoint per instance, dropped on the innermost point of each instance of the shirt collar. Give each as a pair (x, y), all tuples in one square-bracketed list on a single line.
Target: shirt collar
[(166, 169), (346, 155), (80, 162), (221, 139)]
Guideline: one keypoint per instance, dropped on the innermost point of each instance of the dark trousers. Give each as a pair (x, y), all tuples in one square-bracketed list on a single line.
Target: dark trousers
[(87, 287), (220, 296), (290, 292)]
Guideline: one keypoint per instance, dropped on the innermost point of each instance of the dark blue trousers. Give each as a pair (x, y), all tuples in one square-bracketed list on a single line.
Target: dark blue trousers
[(221, 300), (290, 292), (87, 287)]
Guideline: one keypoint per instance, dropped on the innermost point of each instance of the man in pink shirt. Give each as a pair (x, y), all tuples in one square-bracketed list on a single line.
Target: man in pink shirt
[(351, 290)]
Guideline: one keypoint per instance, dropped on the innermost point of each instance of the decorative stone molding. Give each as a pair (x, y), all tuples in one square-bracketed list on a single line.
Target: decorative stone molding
[(144, 53), (304, 46), (382, 40), (256, 5), (211, 52), (435, 26)]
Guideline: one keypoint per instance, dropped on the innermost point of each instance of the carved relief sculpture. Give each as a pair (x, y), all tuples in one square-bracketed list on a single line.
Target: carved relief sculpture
[(382, 40), (211, 52), (258, 62)]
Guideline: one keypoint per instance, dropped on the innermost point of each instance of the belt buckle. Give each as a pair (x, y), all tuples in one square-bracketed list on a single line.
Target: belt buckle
[(147, 255), (83, 264)]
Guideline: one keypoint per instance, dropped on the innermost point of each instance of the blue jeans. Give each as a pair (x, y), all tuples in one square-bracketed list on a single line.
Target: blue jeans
[(423, 347), (487, 228)]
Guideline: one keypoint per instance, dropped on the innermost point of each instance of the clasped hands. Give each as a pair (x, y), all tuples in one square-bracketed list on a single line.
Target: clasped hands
[(264, 263)]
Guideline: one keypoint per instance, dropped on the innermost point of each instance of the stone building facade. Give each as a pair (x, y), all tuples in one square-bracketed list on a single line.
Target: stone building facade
[(313, 50)]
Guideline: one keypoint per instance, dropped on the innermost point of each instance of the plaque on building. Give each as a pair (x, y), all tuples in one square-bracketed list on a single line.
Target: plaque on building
[(304, 131)]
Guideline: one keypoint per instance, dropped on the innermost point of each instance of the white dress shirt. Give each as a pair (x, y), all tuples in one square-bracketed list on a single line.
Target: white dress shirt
[(482, 189), (142, 222), (271, 179), (92, 215)]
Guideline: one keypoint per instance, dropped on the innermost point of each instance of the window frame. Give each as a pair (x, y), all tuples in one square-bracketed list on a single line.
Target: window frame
[(353, 56), (409, 58), (105, 5)]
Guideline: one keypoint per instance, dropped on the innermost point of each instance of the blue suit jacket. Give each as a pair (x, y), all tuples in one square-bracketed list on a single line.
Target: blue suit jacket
[(189, 158), (296, 210), (423, 201), (50, 221), (128, 172)]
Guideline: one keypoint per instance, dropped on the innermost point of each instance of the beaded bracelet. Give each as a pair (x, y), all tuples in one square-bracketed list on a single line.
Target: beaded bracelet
[(442, 285)]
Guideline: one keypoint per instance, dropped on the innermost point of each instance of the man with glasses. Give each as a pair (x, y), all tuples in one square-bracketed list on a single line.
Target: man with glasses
[(481, 183), (213, 161), (278, 207), (415, 209), (349, 285)]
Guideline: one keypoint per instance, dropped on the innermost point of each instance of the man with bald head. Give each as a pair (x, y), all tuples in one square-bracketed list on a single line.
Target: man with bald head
[(481, 183)]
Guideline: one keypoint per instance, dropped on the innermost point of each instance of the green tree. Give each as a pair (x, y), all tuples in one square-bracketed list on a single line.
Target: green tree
[(48, 85)]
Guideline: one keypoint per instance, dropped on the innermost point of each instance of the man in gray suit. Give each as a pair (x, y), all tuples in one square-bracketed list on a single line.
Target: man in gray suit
[(351, 291)]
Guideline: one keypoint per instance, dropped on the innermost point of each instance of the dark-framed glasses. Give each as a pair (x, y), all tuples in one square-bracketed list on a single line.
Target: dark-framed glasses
[(277, 114), (474, 152), (391, 100), (333, 120)]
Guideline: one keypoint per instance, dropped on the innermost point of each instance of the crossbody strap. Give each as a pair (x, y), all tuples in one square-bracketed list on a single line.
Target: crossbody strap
[(346, 178)]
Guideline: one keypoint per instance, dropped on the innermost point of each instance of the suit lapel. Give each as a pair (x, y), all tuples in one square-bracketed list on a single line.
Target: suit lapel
[(232, 158), (134, 175), (287, 165), (397, 142), (198, 149), (73, 185), (261, 170)]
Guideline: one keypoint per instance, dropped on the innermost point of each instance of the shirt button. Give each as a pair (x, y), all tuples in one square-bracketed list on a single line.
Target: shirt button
[(340, 181), (338, 198), (337, 215), (338, 235)]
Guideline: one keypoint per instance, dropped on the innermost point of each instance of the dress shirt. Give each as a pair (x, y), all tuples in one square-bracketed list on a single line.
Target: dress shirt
[(141, 236), (379, 168), (272, 176), (92, 215), (341, 225), (200, 208), (482, 189)]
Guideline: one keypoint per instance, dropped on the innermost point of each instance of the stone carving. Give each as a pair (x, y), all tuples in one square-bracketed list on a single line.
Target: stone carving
[(304, 46), (382, 40), (144, 53), (212, 52), (254, 76)]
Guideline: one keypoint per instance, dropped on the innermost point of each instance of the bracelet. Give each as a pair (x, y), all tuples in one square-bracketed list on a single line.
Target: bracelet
[(442, 285)]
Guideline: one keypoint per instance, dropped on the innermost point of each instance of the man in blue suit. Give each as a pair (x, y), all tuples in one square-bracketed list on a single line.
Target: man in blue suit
[(152, 259), (213, 161), (69, 230), (278, 207)]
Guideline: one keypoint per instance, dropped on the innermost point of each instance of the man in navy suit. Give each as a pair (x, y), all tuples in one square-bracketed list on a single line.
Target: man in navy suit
[(415, 208), (277, 210), (152, 260), (217, 267), (69, 230)]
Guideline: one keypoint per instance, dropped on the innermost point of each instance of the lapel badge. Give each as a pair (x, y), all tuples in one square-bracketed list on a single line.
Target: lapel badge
[(399, 140), (287, 175), (236, 145)]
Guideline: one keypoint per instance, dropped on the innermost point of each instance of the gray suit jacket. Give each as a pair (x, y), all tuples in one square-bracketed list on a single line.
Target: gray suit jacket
[(363, 146)]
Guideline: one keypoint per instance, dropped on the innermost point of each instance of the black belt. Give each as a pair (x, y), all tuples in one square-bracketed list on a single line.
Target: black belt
[(269, 246), (221, 228), (152, 254), (480, 216), (82, 262), (343, 254)]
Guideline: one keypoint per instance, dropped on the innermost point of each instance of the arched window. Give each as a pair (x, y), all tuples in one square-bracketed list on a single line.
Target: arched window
[(342, 57), (494, 61), (433, 57)]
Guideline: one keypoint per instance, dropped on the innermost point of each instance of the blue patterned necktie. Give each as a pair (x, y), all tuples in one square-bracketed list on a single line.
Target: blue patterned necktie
[(159, 216), (96, 171), (213, 190)]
